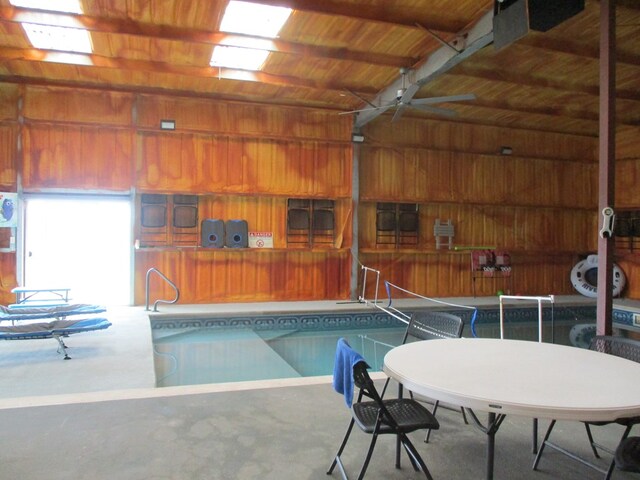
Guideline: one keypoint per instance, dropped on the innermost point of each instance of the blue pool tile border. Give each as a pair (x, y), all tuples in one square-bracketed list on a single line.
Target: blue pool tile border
[(378, 319)]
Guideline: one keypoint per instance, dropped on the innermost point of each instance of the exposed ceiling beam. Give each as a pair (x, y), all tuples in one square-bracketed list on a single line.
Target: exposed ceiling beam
[(36, 55), (557, 45), (152, 90), (535, 81), (442, 60), (165, 32), (385, 12)]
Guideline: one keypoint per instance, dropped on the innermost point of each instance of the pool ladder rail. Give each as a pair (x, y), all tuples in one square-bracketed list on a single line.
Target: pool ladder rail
[(146, 290)]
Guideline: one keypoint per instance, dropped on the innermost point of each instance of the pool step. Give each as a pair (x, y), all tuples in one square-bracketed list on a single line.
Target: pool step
[(221, 356)]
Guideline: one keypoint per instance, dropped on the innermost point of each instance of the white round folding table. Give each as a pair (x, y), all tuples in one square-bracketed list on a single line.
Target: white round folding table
[(514, 377)]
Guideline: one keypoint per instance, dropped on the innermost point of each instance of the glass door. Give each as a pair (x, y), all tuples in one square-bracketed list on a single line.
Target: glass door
[(79, 242)]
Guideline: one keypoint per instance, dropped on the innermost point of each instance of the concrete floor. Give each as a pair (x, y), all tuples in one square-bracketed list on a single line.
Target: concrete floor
[(98, 416)]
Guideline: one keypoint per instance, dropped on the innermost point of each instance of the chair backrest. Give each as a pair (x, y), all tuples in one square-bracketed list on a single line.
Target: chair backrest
[(434, 325), (618, 346), (367, 388)]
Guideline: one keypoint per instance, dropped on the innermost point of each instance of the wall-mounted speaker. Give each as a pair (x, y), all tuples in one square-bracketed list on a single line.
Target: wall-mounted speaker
[(212, 233), (236, 234), (514, 18)]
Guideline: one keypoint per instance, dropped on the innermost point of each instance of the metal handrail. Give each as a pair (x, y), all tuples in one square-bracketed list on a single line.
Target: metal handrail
[(146, 294)]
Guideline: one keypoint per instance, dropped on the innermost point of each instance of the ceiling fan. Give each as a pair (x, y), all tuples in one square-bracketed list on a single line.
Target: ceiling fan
[(404, 99)]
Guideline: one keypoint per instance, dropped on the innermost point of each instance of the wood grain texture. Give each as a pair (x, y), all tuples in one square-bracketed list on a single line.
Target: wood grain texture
[(245, 275), (198, 163), (8, 157), (85, 158), (448, 274)]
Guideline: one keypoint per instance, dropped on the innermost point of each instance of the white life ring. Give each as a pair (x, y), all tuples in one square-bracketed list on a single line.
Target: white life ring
[(581, 334), (584, 277)]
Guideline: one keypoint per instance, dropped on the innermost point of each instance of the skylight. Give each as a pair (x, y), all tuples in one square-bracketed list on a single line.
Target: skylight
[(54, 36), (249, 19), (49, 37), (67, 6)]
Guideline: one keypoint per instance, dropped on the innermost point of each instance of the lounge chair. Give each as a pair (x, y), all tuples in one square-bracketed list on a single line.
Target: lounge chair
[(55, 329), (58, 312)]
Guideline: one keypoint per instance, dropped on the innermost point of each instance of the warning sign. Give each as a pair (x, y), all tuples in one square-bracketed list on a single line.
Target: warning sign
[(260, 239)]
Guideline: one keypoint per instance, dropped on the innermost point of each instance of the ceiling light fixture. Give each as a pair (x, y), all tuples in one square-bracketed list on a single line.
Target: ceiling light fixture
[(506, 150)]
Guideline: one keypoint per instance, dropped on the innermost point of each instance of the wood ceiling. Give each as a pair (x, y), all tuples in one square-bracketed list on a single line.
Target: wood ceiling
[(340, 54)]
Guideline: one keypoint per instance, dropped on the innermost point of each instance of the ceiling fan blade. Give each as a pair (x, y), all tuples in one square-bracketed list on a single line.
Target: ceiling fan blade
[(359, 97), (381, 109), (399, 112), (409, 92), (445, 112), (447, 98)]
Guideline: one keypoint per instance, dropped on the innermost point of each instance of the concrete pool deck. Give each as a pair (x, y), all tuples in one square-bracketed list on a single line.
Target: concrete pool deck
[(98, 416), (120, 359)]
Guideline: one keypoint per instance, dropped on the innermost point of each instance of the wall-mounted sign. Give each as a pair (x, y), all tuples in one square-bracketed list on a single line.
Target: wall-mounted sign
[(8, 209), (260, 239)]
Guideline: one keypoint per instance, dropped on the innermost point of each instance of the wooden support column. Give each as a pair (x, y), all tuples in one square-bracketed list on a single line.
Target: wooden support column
[(606, 170)]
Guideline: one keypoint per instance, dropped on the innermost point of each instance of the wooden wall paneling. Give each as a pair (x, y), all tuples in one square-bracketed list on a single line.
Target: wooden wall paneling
[(627, 146), (241, 275), (190, 114), (160, 259), (267, 166), (235, 165), (449, 274), (303, 163), (233, 118), (630, 265), (539, 230), (627, 181), (578, 185), (107, 158), (379, 173), (9, 96), (343, 212), (459, 137), (8, 279), (520, 176), (333, 170), (432, 175), (514, 228), (8, 157), (367, 225), (540, 274), (76, 157), (59, 104), (160, 163), (201, 156)]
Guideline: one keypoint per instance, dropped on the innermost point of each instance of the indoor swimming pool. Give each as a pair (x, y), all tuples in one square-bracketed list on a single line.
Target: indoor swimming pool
[(191, 351)]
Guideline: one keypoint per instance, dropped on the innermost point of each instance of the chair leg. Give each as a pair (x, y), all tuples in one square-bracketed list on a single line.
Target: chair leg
[(415, 456), (542, 445), (336, 459), (435, 409), (363, 470), (464, 416), (612, 465)]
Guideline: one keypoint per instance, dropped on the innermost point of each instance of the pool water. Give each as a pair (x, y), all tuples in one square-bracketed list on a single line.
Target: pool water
[(237, 347), (215, 355)]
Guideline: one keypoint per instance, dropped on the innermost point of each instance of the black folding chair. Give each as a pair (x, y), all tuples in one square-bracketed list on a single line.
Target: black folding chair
[(433, 326), (627, 455), (379, 417), (620, 347)]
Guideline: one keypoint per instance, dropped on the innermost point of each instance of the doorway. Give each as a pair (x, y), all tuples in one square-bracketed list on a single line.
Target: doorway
[(79, 242)]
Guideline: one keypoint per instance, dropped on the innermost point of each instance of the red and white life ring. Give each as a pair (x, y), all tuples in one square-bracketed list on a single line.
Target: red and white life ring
[(584, 277)]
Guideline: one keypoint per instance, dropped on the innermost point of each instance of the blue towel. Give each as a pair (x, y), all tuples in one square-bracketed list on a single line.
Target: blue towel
[(346, 358)]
